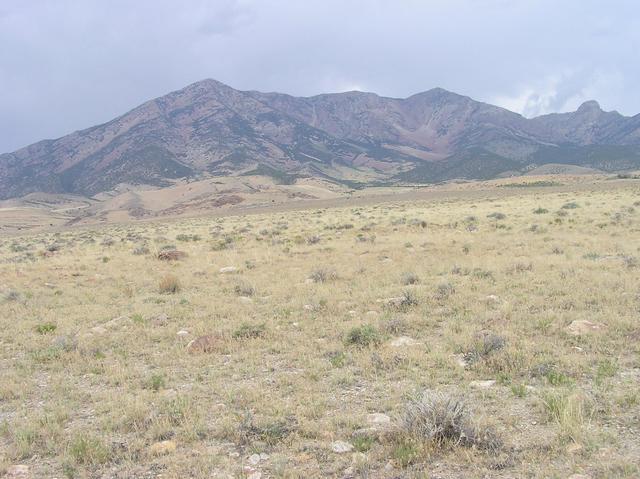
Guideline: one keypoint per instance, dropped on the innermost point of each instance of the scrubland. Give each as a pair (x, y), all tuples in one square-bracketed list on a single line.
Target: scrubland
[(494, 337)]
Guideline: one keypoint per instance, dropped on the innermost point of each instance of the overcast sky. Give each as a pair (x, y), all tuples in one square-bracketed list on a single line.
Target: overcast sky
[(70, 64)]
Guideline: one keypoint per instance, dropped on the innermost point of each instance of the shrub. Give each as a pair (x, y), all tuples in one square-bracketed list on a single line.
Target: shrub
[(248, 331), (184, 237), (409, 278), (171, 255), (170, 284), (141, 250), (46, 328), (443, 419), (156, 382), (322, 275), (244, 289), (540, 211), (570, 206), (497, 215), (88, 450), (363, 336)]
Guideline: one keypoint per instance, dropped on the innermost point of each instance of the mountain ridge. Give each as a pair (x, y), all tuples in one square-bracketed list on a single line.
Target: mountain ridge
[(358, 138)]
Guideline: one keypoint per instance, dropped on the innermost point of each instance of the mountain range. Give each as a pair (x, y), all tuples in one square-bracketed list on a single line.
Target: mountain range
[(354, 138)]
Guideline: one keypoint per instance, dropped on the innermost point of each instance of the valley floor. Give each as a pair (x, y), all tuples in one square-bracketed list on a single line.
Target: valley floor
[(319, 342)]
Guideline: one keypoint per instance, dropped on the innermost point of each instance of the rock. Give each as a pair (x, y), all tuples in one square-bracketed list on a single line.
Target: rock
[(182, 333), (228, 269), (18, 471), (161, 448), (574, 448), (254, 459), (583, 326), (403, 341), (116, 321), (461, 361), (482, 384), (98, 330), (340, 447), (308, 307), (203, 344), (378, 419)]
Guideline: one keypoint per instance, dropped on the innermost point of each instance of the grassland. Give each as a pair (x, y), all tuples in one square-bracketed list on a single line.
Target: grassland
[(320, 331)]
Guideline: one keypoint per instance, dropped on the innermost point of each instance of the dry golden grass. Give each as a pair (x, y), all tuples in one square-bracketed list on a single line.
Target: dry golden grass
[(319, 319)]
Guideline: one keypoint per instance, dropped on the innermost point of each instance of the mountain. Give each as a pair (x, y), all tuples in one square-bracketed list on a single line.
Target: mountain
[(355, 138)]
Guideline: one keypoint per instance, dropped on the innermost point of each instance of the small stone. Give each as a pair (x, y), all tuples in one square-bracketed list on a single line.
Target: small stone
[(18, 471), (378, 419), (98, 330), (340, 447), (228, 269), (254, 459), (182, 333), (308, 307), (482, 384), (163, 447), (403, 341), (583, 326), (461, 361)]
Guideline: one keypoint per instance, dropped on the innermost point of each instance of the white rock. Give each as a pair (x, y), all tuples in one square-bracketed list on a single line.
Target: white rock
[(482, 384), (18, 471), (228, 269), (404, 341), (340, 447), (583, 326), (378, 418), (182, 333), (254, 459)]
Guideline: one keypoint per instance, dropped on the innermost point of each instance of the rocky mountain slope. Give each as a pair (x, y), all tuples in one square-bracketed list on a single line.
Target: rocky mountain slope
[(355, 138)]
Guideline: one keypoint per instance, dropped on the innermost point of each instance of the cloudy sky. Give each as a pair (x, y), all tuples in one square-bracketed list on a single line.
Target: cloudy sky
[(70, 64)]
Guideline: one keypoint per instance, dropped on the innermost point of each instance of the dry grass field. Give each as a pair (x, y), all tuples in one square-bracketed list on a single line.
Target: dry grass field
[(496, 337)]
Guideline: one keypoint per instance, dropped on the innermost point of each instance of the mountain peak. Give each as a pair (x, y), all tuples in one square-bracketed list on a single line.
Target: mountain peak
[(589, 106)]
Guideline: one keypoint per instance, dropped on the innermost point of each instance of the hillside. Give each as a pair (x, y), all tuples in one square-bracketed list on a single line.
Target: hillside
[(354, 138)]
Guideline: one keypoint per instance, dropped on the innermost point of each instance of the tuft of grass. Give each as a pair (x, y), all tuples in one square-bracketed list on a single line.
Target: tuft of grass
[(46, 328), (409, 278), (169, 284), (363, 336), (249, 331), (571, 412), (88, 450)]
